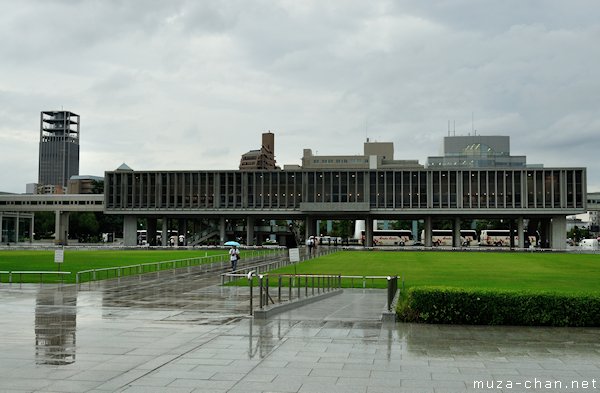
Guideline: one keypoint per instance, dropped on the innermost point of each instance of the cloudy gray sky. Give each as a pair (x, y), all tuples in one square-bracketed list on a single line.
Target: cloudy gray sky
[(192, 84)]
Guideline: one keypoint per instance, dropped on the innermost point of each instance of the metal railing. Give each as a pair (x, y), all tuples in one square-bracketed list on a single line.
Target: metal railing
[(20, 273), (207, 263), (290, 287), (283, 261)]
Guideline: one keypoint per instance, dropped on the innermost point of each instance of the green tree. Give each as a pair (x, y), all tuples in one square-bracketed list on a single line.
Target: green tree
[(43, 225), (84, 226)]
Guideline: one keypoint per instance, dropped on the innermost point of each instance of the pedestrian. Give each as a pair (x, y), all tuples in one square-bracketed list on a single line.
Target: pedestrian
[(310, 243), (234, 256)]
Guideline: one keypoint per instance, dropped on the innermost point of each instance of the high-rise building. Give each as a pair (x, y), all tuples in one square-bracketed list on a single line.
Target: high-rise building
[(59, 148), (264, 158)]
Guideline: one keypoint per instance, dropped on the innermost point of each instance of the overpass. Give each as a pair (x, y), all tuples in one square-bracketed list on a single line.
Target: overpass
[(17, 207)]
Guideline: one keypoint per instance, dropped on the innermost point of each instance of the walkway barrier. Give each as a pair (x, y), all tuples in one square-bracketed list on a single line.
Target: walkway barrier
[(206, 263), (282, 288), (12, 273), (281, 261), (276, 289)]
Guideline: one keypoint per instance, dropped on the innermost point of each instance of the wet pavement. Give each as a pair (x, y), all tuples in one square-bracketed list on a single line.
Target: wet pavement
[(185, 333)]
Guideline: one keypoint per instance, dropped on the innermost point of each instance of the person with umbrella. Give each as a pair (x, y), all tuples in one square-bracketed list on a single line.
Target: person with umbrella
[(234, 254)]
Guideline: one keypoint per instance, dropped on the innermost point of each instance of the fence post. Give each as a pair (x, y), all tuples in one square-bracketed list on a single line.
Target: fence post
[(261, 298), (251, 284), (279, 289)]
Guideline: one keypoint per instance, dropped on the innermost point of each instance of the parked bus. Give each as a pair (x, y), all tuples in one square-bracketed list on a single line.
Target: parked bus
[(391, 237), (497, 237), (443, 237)]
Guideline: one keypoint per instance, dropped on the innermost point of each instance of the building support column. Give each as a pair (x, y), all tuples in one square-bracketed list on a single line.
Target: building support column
[(164, 238), (17, 219), (61, 228), (558, 237), (221, 230), (329, 226), (456, 239), (31, 227), (511, 231), (308, 227), (428, 228), (183, 230), (368, 232), (521, 232), (249, 231), (151, 228), (130, 231), (1, 228)]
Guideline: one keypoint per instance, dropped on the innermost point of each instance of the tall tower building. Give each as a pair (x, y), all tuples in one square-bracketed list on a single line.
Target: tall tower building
[(59, 148)]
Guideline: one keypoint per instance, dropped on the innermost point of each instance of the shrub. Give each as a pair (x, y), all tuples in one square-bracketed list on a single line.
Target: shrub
[(495, 307)]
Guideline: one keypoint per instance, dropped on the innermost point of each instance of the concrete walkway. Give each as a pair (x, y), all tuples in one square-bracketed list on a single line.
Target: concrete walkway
[(184, 333)]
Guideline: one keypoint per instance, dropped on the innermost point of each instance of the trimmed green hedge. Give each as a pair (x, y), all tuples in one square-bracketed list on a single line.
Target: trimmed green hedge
[(494, 307)]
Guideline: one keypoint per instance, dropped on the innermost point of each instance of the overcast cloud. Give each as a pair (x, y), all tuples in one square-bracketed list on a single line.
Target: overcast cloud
[(192, 84)]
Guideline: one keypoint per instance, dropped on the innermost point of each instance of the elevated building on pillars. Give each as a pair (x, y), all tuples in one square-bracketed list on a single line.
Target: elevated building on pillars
[(351, 191)]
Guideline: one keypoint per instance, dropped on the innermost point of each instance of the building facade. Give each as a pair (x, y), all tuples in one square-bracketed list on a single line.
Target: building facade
[(263, 158), (548, 194), (58, 148), (477, 151)]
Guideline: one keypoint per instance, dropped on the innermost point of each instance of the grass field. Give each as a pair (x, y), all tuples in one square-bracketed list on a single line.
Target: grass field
[(559, 272), (78, 260)]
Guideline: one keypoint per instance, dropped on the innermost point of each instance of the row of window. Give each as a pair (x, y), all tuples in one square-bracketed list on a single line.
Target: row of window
[(408, 189)]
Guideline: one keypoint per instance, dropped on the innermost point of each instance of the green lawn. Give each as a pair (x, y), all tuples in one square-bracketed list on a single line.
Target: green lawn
[(559, 272), (78, 260)]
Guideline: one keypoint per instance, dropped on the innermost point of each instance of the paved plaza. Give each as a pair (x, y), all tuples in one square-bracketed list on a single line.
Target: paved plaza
[(185, 333)]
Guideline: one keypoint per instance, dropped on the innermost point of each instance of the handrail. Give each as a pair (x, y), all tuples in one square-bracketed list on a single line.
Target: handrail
[(94, 274), (40, 272)]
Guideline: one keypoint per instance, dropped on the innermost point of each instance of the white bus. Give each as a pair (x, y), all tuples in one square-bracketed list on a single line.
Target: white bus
[(497, 237), (443, 237), (391, 237)]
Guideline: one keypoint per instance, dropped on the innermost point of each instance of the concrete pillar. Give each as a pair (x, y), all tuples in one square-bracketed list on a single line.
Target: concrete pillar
[(17, 219), (129, 231), (428, 228), (165, 232), (318, 227), (221, 230), (456, 240), (558, 239), (329, 227), (368, 233), (511, 231), (61, 228), (31, 227), (415, 229), (521, 232), (249, 230), (308, 227), (1, 228), (151, 231)]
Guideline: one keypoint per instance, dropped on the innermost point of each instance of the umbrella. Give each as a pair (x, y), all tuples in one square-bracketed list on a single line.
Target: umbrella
[(231, 243)]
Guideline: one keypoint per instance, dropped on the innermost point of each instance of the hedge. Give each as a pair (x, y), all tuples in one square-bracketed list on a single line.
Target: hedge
[(496, 307)]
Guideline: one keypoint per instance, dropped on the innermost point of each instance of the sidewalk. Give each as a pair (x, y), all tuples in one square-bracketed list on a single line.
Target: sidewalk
[(186, 334)]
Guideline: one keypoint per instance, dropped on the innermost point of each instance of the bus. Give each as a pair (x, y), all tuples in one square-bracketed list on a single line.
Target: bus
[(391, 237), (497, 237), (443, 237)]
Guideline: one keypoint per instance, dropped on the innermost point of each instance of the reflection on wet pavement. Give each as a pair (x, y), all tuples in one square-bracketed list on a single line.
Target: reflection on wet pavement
[(185, 333), (55, 323)]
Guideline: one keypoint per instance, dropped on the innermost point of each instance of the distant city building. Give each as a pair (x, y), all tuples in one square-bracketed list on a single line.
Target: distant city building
[(376, 155), (58, 149), (477, 151), (264, 158), (85, 185)]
